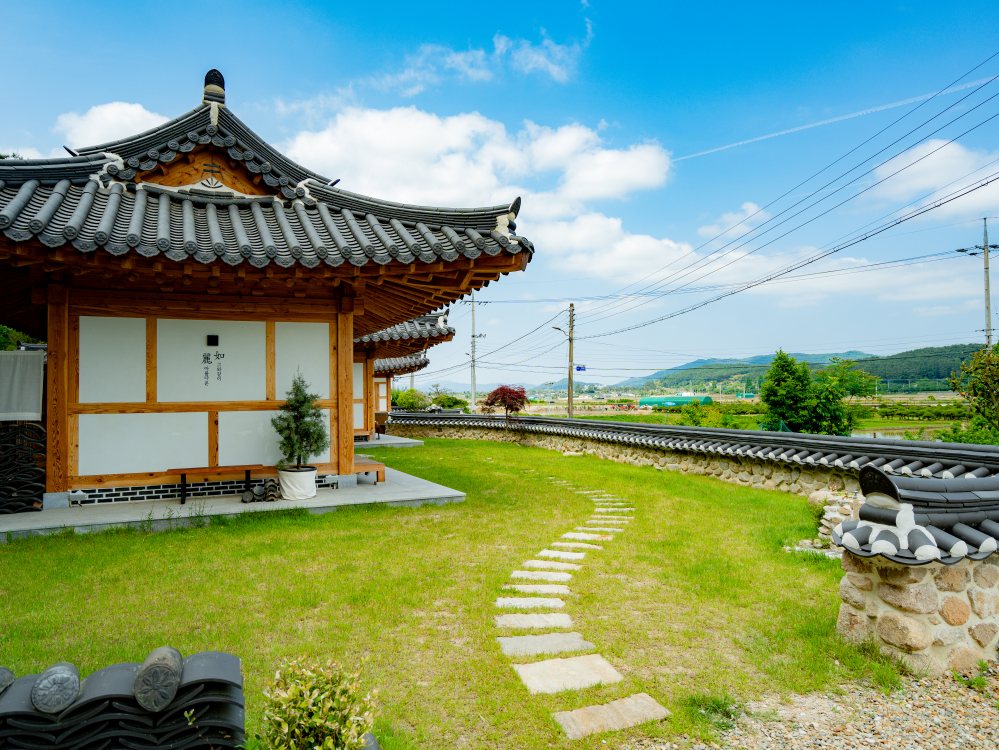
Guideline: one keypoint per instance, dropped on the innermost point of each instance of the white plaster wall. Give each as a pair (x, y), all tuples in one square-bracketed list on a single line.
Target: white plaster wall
[(305, 347), (358, 416), (358, 380), (247, 437), (181, 346), (112, 360), (132, 443)]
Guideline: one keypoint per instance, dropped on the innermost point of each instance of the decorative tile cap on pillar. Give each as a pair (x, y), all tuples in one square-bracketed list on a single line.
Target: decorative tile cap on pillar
[(214, 88), (914, 521)]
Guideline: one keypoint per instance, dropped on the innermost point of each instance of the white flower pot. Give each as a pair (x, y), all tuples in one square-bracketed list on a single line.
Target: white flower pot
[(298, 484)]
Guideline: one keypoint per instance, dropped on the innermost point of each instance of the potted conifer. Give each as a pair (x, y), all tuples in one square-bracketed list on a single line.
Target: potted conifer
[(303, 434)]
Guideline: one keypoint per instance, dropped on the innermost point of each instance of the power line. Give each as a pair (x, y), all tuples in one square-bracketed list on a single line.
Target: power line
[(715, 256), (828, 166), (954, 196)]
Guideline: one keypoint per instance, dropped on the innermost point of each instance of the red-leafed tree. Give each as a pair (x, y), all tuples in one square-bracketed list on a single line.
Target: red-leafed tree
[(510, 398)]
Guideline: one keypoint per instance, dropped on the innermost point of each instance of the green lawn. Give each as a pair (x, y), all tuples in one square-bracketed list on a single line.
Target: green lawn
[(695, 598)]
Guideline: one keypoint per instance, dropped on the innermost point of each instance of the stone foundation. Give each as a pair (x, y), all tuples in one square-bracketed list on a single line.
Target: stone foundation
[(747, 472), (936, 617)]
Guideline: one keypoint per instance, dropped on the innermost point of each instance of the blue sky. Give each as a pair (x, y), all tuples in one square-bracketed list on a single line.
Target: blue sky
[(586, 109)]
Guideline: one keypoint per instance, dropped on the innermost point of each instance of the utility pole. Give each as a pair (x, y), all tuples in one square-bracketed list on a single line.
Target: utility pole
[(988, 294), (572, 365), (472, 355)]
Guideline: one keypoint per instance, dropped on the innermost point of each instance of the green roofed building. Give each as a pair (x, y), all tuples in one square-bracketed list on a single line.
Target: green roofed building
[(674, 400)]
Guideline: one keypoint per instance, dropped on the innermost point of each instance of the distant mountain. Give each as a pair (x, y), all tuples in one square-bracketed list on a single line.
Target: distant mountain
[(720, 369), (451, 385), (562, 385)]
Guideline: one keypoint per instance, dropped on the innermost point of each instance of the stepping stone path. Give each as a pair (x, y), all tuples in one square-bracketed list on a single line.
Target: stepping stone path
[(555, 675), (549, 643), (559, 554), (538, 588), (528, 602)]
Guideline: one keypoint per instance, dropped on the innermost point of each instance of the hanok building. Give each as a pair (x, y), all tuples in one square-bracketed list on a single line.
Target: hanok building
[(181, 277), (399, 349)]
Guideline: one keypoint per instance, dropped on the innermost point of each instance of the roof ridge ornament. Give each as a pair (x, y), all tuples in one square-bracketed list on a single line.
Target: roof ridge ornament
[(214, 92)]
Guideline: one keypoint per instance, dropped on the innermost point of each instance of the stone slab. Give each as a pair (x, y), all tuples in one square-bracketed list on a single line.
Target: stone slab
[(551, 565), (541, 575), (558, 554), (592, 529), (621, 714), (538, 588), (545, 620), (576, 673), (529, 602), (610, 520), (549, 643), (580, 537), (609, 510), (576, 545)]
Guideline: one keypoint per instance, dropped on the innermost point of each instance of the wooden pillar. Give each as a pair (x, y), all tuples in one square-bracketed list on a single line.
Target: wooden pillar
[(370, 398), (334, 396), (345, 387), (57, 384)]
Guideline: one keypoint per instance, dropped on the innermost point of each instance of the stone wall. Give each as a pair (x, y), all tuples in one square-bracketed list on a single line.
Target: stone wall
[(936, 617), (747, 472)]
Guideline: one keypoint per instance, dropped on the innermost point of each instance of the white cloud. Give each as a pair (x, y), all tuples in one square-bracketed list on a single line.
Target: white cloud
[(559, 61), (106, 122), (939, 168), (433, 63), (745, 219), (409, 155)]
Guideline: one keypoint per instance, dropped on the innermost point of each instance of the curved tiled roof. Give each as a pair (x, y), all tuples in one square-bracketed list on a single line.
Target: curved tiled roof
[(424, 327), (915, 521), (99, 199), (65, 201), (402, 365)]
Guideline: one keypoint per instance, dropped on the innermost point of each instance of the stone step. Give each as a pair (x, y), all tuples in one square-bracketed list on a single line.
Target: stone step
[(610, 510), (605, 519), (529, 602), (575, 673), (592, 529), (539, 620), (551, 565), (576, 545), (549, 643), (620, 714), (586, 537), (541, 575), (558, 554), (538, 588)]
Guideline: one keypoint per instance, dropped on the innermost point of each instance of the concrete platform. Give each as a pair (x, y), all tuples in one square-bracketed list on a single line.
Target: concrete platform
[(387, 441), (398, 489)]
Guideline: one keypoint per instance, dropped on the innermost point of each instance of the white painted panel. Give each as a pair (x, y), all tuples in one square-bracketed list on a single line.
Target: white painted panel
[(112, 360), (305, 347), (358, 416), (190, 370), (247, 437), (131, 443), (382, 389), (358, 380), (382, 404)]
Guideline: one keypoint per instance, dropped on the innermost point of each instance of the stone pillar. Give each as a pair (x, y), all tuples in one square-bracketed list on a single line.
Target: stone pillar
[(936, 617)]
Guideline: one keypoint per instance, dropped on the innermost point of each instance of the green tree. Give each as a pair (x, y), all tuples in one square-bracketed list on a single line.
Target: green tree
[(836, 391), (787, 392), (301, 425), (412, 399), (978, 383)]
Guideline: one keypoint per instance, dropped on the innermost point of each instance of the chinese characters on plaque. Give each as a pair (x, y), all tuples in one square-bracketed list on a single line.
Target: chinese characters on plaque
[(206, 361)]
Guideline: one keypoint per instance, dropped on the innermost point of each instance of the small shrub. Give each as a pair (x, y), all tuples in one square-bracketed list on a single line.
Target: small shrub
[(310, 705)]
